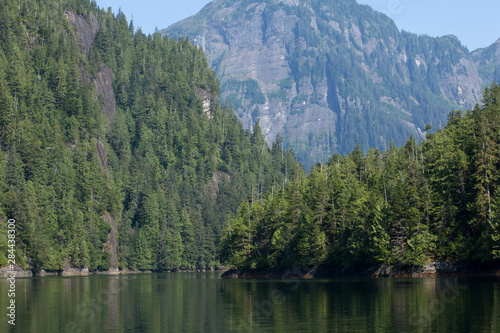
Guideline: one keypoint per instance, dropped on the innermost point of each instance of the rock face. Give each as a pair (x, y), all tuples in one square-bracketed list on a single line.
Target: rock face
[(325, 74), (487, 61), (206, 98), (6, 272), (86, 31), (71, 271), (103, 82), (104, 87), (111, 245)]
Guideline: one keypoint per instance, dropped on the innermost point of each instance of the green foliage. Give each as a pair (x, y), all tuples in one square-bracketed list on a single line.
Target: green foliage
[(249, 89), (437, 200), (148, 185)]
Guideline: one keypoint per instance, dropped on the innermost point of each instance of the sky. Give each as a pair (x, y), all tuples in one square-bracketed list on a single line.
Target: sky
[(475, 22)]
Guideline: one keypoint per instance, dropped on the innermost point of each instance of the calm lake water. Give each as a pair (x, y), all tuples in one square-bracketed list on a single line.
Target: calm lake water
[(202, 302)]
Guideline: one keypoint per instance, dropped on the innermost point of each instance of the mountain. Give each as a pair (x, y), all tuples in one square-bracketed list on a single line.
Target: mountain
[(114, 149), (488, 62), (327, 74)]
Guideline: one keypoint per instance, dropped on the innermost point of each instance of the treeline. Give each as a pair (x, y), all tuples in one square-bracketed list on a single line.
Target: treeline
[(145, 180), (437, 200)]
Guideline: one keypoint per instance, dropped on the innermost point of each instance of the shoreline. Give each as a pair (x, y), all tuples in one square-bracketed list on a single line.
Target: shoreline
[(74, 272), (434, 269)]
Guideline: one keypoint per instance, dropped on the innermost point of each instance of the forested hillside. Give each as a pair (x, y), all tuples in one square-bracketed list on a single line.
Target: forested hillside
[(438, 200), (114, 149)]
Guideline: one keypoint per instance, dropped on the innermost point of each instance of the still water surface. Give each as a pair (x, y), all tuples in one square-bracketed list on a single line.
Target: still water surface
[(202, 302)]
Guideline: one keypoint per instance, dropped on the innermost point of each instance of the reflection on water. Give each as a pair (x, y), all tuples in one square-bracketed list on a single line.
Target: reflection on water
[(202, 302)]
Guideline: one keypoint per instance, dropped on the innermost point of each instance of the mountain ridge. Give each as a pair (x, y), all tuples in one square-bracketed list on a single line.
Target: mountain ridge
[(326, 74), (487, 60)]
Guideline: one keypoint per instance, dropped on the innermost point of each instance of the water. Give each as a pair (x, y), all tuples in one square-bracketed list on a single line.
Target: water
[(202, 302)]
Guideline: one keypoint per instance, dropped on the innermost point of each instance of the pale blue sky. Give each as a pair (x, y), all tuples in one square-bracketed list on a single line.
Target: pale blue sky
[(475, 22)]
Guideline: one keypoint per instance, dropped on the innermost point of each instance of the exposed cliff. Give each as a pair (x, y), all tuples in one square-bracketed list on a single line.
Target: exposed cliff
[(103, 82), (488, 62), (86, 31), (326, 74)]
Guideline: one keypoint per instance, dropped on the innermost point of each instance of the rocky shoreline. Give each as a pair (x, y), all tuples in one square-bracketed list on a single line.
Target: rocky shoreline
[(21, 273), (433, 269), (70, 271)]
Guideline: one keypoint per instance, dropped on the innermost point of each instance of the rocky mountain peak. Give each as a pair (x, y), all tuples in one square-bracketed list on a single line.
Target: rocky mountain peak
[(327, 74)]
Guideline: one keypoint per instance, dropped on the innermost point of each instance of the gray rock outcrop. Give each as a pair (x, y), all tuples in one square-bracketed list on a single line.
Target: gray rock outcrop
[(85, 31), (325, 74)]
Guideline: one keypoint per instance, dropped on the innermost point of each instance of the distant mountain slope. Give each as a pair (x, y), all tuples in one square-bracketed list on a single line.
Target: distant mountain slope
[(488, 62), (325, 74)]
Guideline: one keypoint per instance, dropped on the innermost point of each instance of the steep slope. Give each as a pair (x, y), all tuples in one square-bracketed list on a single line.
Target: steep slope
[(488, 62), (325, 74), (114, 150)]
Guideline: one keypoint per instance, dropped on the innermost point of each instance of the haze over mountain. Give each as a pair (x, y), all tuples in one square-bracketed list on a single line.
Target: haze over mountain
[(325, 74)]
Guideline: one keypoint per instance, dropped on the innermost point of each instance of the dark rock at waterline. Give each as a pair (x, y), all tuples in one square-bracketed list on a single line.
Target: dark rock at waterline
[(433, 269)]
